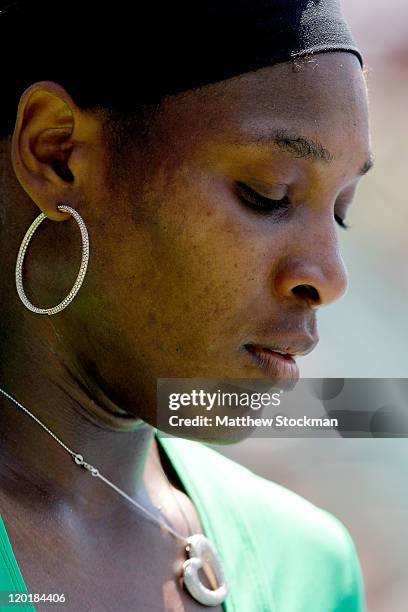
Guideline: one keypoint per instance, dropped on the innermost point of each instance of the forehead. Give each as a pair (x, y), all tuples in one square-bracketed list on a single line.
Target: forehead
[(321, 97)]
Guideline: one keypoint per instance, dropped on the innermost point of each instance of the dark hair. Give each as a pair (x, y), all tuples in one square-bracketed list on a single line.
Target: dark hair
[(126, 57), (43, 41)]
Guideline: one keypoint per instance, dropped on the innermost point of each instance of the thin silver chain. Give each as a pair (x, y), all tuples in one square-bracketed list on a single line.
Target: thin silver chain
[(79, 460)]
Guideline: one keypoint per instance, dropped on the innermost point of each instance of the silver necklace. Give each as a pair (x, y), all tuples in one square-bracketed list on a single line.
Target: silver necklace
[(199, 549)]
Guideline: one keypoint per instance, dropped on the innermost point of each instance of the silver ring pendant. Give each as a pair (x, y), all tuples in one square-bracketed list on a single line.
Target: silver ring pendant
[(200, 549)]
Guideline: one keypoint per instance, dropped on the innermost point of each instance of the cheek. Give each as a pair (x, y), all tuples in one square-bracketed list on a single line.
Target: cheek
[(204, 267), (209, 270)]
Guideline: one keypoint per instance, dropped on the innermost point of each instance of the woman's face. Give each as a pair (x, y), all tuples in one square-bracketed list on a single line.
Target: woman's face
[(189, 260)]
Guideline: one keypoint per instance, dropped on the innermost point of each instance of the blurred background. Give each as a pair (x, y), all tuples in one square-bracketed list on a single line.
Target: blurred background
[(364, 481)]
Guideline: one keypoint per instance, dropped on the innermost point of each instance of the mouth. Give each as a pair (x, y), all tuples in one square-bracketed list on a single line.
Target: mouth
[(275, 364)]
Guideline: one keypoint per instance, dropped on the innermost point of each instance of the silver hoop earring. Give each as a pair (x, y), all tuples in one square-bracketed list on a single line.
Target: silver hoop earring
[(82, 271)]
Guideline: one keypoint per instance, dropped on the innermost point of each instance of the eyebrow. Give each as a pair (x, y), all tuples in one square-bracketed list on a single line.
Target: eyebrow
[(301, 147)]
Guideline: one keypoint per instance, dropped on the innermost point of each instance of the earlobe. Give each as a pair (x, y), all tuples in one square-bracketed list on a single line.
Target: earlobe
[(41, 146)]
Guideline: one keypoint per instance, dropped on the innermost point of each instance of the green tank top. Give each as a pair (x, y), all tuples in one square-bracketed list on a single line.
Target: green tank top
[(280, 553)]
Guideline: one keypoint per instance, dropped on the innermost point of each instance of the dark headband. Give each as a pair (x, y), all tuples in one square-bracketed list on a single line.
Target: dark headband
[(222, 39), (147, 50)]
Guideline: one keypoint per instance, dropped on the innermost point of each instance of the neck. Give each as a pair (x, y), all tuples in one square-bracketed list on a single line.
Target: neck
[(39, 375)]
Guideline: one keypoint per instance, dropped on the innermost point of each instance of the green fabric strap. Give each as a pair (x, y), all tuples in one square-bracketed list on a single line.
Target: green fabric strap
[(280, 553), (11, 580)]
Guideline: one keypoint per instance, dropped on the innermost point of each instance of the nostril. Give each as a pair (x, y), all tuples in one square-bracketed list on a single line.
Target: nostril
[(307, 292)]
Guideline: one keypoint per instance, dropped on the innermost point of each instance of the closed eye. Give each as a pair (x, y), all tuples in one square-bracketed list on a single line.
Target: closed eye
[(341, 222), (264, 205), (260, 203)]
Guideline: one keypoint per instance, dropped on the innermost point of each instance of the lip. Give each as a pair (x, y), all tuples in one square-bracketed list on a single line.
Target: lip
[(282, 368)]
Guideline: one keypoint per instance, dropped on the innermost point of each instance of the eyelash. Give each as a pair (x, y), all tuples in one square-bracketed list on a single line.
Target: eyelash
[(341, 222), (259, 203), (265, 205)]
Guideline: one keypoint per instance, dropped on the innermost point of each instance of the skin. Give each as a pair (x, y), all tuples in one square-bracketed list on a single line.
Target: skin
[(182, 274)]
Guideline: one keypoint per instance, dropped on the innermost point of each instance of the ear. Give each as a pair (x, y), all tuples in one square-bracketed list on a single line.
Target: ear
[(50, 130)]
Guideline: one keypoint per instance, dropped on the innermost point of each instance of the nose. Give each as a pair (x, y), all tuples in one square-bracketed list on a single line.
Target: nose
[(317, 281)]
